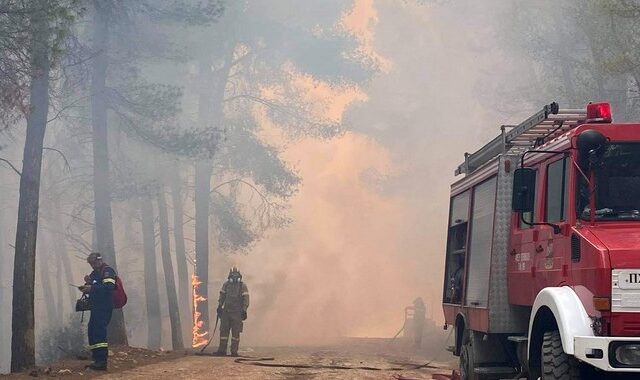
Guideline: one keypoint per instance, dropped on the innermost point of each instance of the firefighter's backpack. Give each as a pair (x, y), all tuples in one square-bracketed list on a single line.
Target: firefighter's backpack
[(119, 295)]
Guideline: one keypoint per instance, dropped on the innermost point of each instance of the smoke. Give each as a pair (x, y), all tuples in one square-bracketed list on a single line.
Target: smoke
[(370, 219), (320, 278)]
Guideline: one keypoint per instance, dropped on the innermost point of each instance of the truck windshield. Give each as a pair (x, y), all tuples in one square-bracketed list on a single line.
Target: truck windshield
[(617, 188)]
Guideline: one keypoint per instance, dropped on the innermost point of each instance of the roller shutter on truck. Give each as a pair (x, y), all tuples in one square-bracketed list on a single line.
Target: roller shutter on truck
[(482, 215)]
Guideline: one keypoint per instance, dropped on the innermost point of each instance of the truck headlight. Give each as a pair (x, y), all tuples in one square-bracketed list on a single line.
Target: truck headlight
[(626, 354)]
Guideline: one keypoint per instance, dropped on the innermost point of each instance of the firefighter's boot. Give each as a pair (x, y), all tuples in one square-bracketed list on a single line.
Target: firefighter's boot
[(235, 342), (98, 366), (222, 348)]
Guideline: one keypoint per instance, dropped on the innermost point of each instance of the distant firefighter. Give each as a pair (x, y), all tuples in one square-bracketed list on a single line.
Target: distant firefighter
[(419, 312), (232, 311)]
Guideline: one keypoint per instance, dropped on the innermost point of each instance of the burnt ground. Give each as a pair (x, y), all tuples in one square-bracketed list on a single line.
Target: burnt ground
[(348, 359)]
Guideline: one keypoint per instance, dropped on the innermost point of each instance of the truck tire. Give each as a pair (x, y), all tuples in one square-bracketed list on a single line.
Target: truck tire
[(467, 359), (556, 364)]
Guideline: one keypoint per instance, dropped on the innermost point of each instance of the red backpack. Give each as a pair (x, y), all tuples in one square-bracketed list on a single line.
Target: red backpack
[(119, 296)]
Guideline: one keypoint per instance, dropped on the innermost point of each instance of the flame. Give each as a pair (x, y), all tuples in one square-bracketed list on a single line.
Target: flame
[(199, 337)]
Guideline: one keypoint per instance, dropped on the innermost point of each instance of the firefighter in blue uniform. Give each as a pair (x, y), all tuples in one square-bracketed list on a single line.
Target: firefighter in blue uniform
[(99, 285)]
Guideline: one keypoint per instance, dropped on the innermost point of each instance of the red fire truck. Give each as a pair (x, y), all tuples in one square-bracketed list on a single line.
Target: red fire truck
[(542, 274)]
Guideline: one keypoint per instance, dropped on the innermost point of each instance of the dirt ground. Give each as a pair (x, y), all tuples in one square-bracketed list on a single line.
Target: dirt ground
[(121, 359), (348, 359)]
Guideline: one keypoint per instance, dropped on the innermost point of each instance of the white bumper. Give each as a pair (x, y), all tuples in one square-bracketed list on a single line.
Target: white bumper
[(588, 348)]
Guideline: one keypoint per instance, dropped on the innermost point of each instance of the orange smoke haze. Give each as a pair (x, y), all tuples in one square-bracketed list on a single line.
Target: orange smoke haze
[(337, 270), (370, 218), (331, 101), (360, 21)]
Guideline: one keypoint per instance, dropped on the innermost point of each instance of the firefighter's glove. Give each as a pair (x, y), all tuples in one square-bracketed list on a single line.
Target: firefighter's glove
[(244, 315), (219, 311), (85, 288)]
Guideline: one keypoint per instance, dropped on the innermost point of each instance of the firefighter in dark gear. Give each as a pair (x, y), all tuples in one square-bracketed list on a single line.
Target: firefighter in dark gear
[(419, 311), (99, 285), (232, 310)]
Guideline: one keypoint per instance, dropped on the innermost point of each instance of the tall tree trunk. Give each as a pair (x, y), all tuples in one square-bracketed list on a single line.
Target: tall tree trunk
[(62, 257), (594, 36), (23, 337), (184, 285), (59, 291), (94, 240), (43, 265), (174, 314), (203, 187), (154, 322), (4, 288), (566, 71), (210, 115), (567, 78), (101, 185), (57, 257)]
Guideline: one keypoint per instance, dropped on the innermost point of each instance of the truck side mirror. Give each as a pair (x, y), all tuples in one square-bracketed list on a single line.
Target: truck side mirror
[(524, 183)]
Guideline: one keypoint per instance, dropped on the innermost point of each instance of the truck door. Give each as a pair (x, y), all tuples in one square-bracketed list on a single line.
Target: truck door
[(552, 251), (521, 254)]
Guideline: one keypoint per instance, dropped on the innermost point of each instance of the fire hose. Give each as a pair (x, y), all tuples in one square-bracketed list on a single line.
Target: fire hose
[(399, 331), (270, 362), (211, 336), (260, 362)]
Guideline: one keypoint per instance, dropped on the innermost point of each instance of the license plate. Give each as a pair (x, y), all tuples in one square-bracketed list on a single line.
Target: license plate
[(629, 280)]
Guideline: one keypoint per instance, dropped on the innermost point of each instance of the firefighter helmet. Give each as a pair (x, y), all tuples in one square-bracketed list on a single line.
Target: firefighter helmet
[(235, 275), (94, 256)]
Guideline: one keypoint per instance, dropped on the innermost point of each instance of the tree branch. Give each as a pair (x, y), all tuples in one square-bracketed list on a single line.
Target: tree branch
[(66, 163), (78, 218), (279, 107), (79, 241), (66, 107), (12, 167), (236, 180)]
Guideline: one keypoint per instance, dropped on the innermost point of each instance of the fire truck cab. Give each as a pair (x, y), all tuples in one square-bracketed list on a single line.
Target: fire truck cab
[(542, 268)]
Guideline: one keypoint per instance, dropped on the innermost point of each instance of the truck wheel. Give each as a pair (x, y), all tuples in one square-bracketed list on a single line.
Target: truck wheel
[(467, 359), (556, 364)]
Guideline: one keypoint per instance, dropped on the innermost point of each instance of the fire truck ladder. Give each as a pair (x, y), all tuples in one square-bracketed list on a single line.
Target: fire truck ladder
[(545, 125)]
